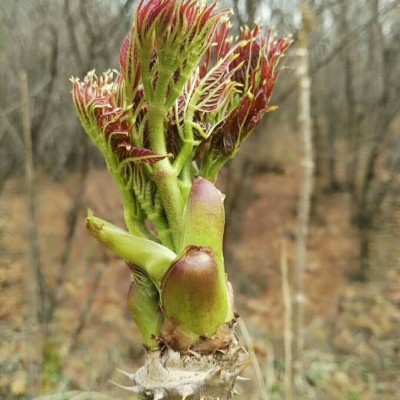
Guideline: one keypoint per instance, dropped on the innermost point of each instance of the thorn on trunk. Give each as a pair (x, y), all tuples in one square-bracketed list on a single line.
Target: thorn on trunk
[(134, 389), (127, 374), (158, 394), (242, 378)]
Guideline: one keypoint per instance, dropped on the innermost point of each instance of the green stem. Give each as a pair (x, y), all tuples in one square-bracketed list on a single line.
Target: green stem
[(171, 198), (156, 217), (213, 168), (156, 115), (183, 156), (188, 143), (130, 210), (185, 181), (164, 175), (163, 231), (129, 205)]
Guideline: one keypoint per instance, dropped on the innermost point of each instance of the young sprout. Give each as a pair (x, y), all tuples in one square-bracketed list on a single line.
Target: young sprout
[(186, 98)]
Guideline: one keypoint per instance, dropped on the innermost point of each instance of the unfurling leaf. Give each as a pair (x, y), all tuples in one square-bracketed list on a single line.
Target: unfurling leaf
[(152, 257), (256, 69), (204, 218)]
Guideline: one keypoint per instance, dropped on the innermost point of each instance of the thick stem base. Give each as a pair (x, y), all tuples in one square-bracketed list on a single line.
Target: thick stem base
[(170, 375)]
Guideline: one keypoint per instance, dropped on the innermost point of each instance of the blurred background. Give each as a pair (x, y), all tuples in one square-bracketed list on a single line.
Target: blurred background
[(313, 206)]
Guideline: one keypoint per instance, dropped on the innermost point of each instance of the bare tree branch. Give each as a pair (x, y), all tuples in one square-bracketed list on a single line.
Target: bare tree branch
[(73, 340), (72, 224), (72, 35), (37, 287), (348, 39), (237, 12), (41, 114)]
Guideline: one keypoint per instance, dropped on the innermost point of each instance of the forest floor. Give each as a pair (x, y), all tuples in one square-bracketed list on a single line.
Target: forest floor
[(352, 346)]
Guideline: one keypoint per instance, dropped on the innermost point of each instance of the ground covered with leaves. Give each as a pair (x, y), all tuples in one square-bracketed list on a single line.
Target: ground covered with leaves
[(352, 336)]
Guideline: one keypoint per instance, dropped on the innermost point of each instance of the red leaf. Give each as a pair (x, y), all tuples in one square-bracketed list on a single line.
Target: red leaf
[(124, 53), (140, 154)]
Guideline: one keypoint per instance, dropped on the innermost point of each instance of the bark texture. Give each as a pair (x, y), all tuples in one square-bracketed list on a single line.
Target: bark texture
[(171, 375)]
